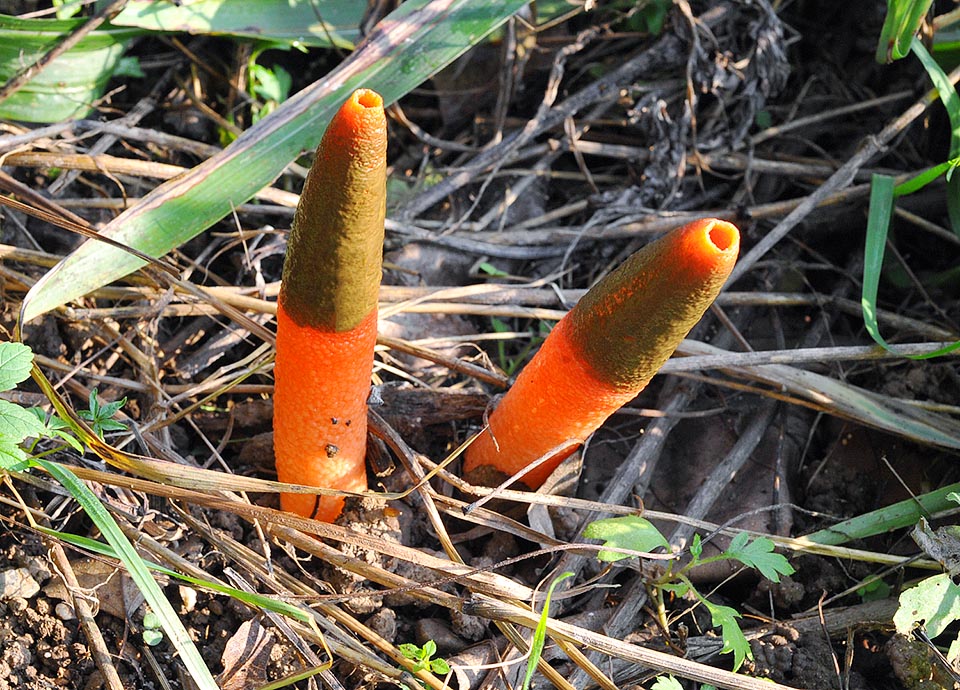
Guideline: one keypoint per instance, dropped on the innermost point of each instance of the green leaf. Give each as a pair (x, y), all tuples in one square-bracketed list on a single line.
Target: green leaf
[(759, 554), (16, 359), (951, 102), (411, 44), (540, 632), (734, 641), (878, 223), (17, 423), (630, 532), (139, 573), (666, 683), (12, 456), (440, 666), (152, 637), (934, 603), (900, 27), (54, 427), (293, 22), (271, 84), (696, 546)]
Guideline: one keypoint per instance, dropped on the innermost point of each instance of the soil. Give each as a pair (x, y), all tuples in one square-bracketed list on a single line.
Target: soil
[(694, 132)]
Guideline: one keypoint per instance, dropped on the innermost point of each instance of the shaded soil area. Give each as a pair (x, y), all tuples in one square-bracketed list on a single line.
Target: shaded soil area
[(520, 175)]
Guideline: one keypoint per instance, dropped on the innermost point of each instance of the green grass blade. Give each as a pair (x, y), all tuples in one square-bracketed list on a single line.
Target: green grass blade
[(896, 516), (322, 23), (878, 223), (900, 26), (412, 43), (540, 632), (152, 594), (951, 101), (259, 601)]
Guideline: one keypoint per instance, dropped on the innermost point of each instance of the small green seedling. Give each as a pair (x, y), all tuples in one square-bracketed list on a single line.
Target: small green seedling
[(100, 415), (422, 658), (634, 533), (152, 634)]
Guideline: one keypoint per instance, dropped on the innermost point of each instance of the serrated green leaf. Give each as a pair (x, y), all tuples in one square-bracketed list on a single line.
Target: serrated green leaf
[(17, 423), (16, 359), (696, 546), (666, 683), (630, 532), (734, 640), (934, 602), (759, 554)]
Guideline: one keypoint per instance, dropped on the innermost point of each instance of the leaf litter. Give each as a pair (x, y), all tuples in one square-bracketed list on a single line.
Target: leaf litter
[(527, 171)]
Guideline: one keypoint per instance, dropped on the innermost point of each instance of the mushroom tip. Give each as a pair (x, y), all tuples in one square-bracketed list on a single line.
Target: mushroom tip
[(723, 235), (368, 98)]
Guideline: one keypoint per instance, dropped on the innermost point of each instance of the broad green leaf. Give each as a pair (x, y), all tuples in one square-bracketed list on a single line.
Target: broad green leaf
[(16, 359), (12, 457), (540, 633), (934, 602), (759, 554), (630, 532), (69, 85), (17, 423), (408, 46), (318, 23)]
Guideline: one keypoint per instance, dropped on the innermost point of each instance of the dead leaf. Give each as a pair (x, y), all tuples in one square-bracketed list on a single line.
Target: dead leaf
[(246, 656)]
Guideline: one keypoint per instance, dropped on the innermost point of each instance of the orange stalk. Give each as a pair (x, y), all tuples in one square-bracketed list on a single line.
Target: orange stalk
[(605, 351), (327, 311)]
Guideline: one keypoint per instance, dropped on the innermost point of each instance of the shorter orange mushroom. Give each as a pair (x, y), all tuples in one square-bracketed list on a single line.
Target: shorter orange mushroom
[(604, 352)]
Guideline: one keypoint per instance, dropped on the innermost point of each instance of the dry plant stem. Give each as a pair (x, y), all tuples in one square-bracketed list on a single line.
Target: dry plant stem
[(30, 71), (497, 610), (143, 107), (407, 456), (81, 606), (284, 627), (667, 51), (870, 147), (180, 482), (9, 142), (286, 585)]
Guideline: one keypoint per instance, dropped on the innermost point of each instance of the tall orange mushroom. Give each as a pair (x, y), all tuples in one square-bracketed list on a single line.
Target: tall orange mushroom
[(327, 311)]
